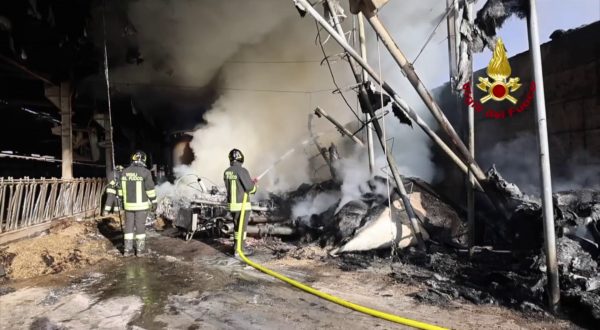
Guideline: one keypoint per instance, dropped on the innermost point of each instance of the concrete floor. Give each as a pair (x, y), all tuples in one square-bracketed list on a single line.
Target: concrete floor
[(191, 285)]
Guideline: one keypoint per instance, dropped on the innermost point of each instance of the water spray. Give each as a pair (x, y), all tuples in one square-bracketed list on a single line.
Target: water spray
[(284, 156)]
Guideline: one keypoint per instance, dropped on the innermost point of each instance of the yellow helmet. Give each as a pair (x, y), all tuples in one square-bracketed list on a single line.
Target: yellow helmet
[(139, 157)]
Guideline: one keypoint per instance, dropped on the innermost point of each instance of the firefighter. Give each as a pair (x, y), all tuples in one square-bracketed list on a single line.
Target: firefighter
[(238, 183), (112, 201), (138, 196)]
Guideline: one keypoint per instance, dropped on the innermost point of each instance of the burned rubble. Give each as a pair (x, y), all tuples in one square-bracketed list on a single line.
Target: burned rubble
[(507, 268)]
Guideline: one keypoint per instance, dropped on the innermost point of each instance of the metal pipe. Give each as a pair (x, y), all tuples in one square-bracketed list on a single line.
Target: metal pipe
[(365, 77), (261, 230), (471, 143), (264, 230), (547, 206), (399, 101), (254, 219), (471, 178), (320, 112)]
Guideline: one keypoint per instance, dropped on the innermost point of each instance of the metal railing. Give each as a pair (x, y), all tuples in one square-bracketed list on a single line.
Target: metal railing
[(26, 202)]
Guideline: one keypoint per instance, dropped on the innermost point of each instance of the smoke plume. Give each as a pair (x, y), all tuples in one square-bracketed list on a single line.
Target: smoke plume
[(270, 79), (187, 42), (265, 107)]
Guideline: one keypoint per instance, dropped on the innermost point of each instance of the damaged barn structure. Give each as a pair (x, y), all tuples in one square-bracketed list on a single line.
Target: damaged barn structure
[(498, 258), (494, 225)]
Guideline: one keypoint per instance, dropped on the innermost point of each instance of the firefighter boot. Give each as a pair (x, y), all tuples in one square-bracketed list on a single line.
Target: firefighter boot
[(128, 248), (140, 249), (248, 251)]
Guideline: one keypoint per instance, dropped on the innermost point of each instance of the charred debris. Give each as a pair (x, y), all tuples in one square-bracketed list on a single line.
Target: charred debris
[(507, 267), (403, 223)]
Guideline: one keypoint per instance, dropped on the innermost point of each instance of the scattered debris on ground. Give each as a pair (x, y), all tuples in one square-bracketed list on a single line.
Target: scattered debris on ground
[(362, 225), (359, 234), (190, 285)]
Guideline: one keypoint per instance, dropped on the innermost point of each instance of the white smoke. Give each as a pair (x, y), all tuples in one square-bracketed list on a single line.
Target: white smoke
[(165, 189), (354, 173), (187, 42), (264, 110), (187, 183), (265, 125), (264, 107), (318, 204)]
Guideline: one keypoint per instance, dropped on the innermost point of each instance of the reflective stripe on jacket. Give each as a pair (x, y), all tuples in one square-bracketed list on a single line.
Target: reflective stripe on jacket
[(237, 182), (113, 185), (137, 188), (111, 188)]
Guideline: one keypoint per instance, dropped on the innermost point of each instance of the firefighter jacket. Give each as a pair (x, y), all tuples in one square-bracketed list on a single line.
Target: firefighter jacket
[(237, 182), (113, 184), (137, 188), (111, 192)]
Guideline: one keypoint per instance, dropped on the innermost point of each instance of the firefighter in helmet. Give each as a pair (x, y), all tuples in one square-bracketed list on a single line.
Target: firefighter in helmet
[(112, 201), (238, 183), (138, 196)]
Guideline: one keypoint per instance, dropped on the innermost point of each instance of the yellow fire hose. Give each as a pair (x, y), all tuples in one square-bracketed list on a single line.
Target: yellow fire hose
[(334, 299)]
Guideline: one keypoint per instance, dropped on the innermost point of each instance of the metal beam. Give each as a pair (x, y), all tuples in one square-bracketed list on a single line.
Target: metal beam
[(26, 70), (456, 46), (470, 140), (540, 112), (321, 113)]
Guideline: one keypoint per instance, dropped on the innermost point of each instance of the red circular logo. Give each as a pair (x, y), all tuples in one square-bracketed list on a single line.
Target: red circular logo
[(499, 91)]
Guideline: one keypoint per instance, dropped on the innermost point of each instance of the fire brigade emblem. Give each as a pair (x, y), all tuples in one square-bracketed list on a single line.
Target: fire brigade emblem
[(499, 71)]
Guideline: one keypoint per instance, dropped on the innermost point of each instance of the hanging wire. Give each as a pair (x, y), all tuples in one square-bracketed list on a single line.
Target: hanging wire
[(332, 75), (110, 126), (446, 13)]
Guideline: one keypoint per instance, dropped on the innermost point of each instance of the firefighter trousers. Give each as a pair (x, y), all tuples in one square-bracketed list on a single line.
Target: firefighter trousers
[(135, 222), (236, 221), (112, 203)]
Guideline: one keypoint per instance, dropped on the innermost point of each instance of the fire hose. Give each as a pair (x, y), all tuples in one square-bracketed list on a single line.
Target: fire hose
[(331, 298)]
